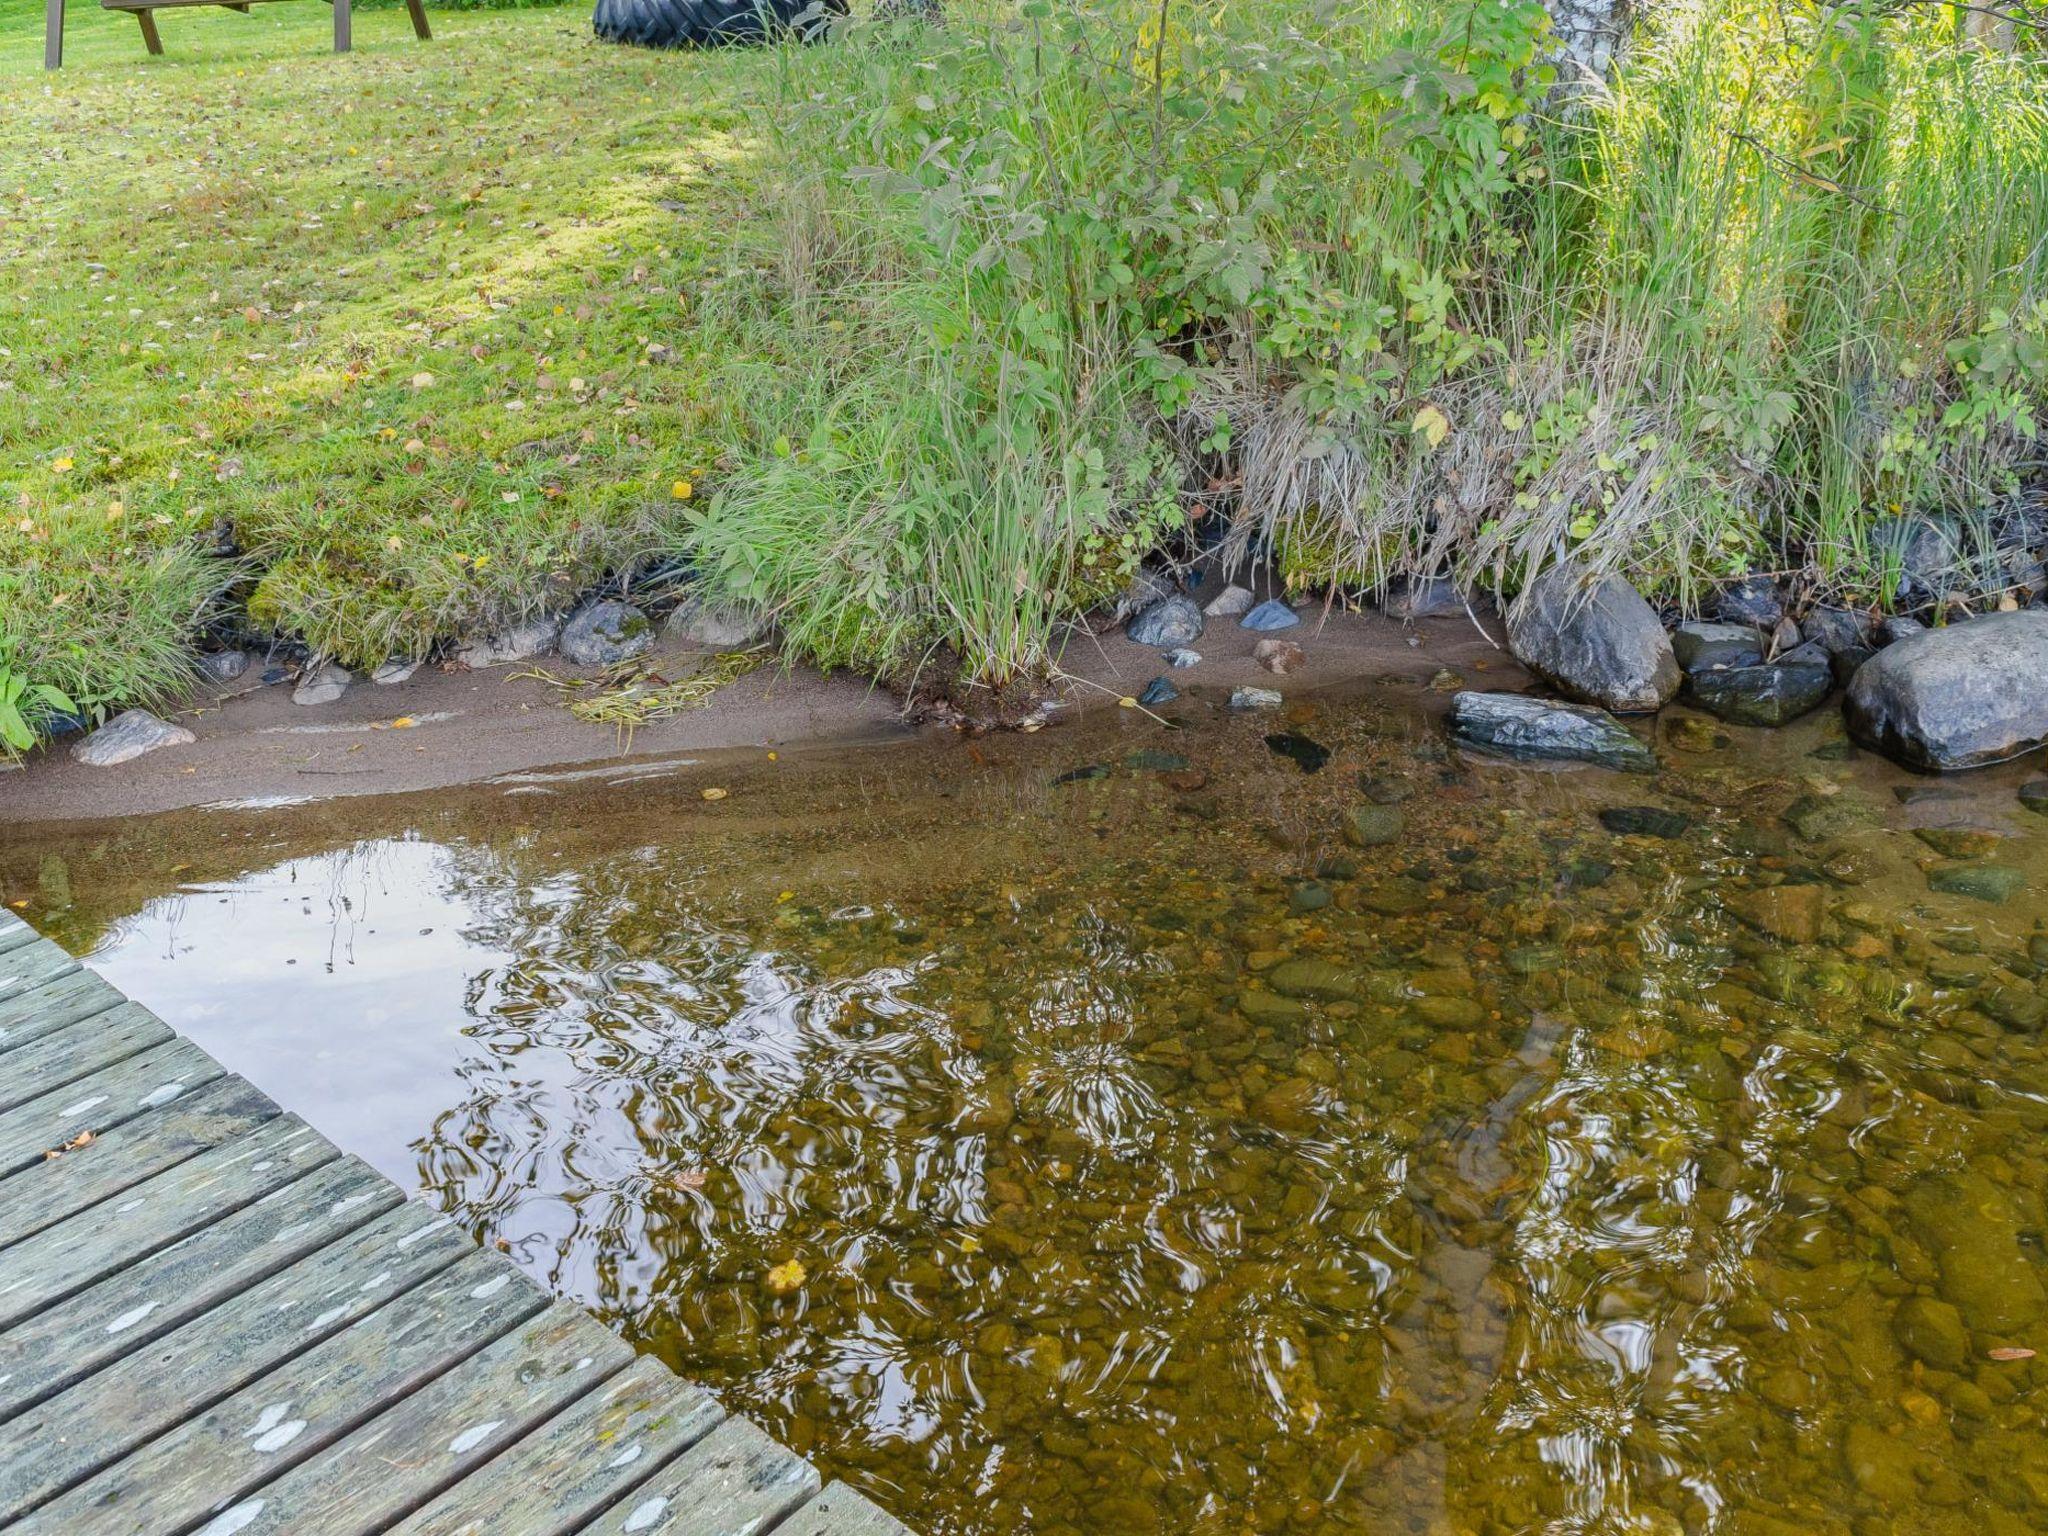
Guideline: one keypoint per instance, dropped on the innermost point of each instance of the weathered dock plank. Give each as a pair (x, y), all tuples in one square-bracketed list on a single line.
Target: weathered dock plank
[(734, 1479), (46, 1193), (574, 1466), (14, 934), (94, 1105), (83, 1249), (839, 1511), (69, 998), (456, 1422), (28, 966), (78, 1050), (214, 1459), (47, 1352), (66, 1438)]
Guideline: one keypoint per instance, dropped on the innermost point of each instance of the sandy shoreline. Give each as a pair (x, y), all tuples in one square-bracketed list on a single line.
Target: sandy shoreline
[(256, 747)]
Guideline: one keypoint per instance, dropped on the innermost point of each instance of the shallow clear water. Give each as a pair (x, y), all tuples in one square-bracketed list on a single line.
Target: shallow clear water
[(1158, 1161)]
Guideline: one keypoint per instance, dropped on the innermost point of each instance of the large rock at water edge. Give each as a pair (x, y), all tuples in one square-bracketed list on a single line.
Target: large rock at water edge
[(1516, 725), (1596, 640), (1958, 697), (602, 633), (1768, 695), (323, 684), (1171, 621), (126, 737)]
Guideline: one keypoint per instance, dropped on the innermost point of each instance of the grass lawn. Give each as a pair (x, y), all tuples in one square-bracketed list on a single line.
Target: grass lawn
[(406, 333)]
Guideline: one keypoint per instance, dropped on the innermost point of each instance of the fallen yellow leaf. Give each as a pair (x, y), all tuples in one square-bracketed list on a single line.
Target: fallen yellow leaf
[(422, 379), (402, 723), (714, 794), (61, 465)]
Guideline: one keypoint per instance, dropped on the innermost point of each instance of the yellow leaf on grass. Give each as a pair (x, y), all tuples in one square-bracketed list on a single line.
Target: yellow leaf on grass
[(1511, 421), (61, 466), (1432, 425), (422, 379), (682, 490), (784, 1278)]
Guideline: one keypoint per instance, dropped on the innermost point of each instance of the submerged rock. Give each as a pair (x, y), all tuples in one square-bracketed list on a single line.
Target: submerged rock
[(1958, 697), (1307, 755), (1171, 621), (2034, 795), (1517, 725), (1271, 614), (1994, 883), (1971, 1228), (1766, 695), (522, 642), (1595, 639), (605, 632), (323, 685), (1373, 826), (1644, 821), (1793, 913), (128, 736)]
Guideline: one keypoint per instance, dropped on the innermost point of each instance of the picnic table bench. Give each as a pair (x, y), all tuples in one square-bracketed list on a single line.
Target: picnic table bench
[(144, 12)]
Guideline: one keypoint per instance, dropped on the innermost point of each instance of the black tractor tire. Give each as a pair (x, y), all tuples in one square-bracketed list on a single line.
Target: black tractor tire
[(709, 23)]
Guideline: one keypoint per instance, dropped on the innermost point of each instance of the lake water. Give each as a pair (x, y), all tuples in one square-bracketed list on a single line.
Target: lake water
[(1078, 1133)]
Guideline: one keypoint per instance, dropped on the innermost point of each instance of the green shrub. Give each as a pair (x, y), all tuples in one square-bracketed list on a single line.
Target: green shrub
[(1392, 303)]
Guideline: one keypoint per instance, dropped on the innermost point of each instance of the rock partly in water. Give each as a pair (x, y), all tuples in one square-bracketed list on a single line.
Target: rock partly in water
[(323, 685), (1596, 640), (1701, 646), (223, 666), (1957, 697), (1271, 614), (522, 642), (1517, 725), (1766, 695), (126, 737), (1754, 600), (391, 673), (1158, 691), (1279, 656), (1230, 602), (704, 625), (605, 632), (1173, 620), (1255, 698)]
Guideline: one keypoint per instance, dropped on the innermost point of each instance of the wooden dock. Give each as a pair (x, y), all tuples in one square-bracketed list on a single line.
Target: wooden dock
[(213, 1321)]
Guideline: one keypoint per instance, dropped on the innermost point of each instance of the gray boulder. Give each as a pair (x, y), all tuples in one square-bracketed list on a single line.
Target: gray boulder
[(1171, 621), (323, 684), (522, 642), (1701, 647), (1838, 629), (704, 625), (126, 737), (606, 631), (1424, 597), (1957, 697), (1596, 640), (1516, 725)]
